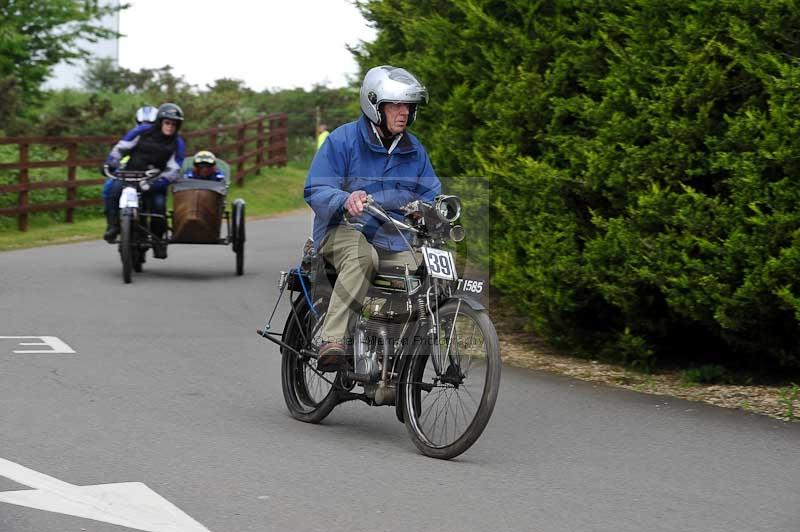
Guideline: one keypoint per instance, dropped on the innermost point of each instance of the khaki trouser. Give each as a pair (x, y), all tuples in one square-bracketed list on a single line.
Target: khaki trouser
[(356, 262)]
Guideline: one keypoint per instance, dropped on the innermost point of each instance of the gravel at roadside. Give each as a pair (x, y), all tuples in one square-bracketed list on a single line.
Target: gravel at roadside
[(528, 351)]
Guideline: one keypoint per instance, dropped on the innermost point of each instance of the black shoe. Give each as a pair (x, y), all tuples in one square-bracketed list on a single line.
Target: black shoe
[(112, 231), (159, 251)]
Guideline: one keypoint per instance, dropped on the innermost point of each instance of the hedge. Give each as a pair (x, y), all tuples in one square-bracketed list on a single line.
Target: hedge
[(643, 161)]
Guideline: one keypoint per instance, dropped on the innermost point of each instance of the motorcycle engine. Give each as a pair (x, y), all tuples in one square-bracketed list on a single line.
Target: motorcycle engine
[(388, 315)]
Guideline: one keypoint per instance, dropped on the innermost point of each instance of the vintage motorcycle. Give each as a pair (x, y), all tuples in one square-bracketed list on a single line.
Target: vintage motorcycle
[(422, 343), (135, 237)]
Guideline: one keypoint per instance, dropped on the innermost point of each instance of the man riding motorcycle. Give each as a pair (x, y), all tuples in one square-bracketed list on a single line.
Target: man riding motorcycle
[(374, 155), (148, 146)]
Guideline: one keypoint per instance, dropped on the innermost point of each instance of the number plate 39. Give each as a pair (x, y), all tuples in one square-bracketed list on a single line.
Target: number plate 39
[(439, 263)]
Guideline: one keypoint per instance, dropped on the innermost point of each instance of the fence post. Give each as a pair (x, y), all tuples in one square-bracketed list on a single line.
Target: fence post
[(212, 143), (284, 139), (240, 152), (260, 146), (22, 219), (71, 191), (273, 129), (278, 129)]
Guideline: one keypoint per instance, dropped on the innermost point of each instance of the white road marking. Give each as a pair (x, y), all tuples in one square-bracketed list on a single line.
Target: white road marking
[(56, 345), (130, 504)]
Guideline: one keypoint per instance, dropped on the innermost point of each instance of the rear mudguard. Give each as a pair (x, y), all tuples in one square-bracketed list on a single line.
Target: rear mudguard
[(406, 362)]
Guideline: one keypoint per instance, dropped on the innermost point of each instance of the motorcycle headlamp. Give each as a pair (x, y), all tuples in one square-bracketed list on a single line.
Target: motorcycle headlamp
[(448, 208), (457, 233)]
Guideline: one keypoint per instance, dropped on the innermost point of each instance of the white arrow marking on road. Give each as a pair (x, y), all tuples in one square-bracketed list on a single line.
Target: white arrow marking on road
[(57, 345), (130, 504)]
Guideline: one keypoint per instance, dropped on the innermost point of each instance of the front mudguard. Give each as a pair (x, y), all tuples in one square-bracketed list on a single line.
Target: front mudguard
[(472, 302)]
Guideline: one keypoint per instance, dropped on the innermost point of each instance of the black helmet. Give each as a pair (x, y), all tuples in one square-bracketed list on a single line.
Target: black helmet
[(171, 112)]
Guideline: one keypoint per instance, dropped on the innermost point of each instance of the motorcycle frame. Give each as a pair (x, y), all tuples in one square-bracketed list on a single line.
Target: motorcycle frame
[(135, 210), (402, 357)]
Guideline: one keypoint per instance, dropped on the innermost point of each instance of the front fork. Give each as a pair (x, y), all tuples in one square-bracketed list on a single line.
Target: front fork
[(433, 336), (130, 212)]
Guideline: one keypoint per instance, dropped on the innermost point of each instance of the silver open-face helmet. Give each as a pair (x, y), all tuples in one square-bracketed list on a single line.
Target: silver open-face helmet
[(390, 84)]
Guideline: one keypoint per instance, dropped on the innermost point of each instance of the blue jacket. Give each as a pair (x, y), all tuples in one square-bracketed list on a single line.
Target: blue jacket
[(353, 158)]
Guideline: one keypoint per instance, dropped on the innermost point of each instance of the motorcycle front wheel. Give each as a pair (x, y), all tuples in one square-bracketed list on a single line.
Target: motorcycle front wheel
[(126, 246), (309, 394), (446, 411)]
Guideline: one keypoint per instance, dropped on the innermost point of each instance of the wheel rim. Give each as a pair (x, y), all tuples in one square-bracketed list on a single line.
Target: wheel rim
[(444, 408), (310, 387)]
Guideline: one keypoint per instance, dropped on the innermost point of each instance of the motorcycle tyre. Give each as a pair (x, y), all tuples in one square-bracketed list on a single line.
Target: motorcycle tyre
[(126, 247), (488, 397), (299, 406)]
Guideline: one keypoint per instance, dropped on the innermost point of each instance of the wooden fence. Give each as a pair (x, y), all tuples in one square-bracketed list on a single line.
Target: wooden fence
[(247, 147)]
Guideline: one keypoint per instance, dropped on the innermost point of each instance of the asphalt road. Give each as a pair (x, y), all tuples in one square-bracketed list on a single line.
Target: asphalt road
[(170, 386)]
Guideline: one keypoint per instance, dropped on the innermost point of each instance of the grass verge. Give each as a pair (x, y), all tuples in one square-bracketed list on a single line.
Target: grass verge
[(276, 190)]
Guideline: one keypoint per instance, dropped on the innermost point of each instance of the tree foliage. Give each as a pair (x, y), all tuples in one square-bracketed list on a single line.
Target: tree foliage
[(35, 35), (103, 75), (332, 106), (642, 157)]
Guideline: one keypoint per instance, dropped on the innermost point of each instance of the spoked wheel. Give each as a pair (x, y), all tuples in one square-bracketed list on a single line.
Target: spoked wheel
[(238, 234), (446, 411), (126, 246), (309, 394)]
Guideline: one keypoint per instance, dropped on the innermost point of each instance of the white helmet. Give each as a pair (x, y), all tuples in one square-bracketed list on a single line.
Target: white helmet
[(390, 84), (146, 113)]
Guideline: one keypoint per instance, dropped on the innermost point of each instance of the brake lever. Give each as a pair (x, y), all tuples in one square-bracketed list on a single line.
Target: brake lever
[(350, 223), (348, 219), (107, 172)]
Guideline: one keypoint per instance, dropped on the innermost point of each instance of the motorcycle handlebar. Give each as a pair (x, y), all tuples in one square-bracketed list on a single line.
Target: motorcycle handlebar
[(131, 175), (373, 208)]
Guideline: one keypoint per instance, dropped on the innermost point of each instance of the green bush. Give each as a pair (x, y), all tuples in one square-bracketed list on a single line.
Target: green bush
[(642, 160), (706, 374)]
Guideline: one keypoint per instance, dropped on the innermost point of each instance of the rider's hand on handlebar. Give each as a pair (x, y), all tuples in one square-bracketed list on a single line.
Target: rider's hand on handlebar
[(354, 204)]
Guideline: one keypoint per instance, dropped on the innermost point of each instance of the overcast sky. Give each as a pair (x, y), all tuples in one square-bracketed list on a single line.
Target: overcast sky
[(267, 43)]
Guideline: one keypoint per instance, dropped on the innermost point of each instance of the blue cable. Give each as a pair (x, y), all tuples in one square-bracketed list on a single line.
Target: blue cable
[(305, 292)]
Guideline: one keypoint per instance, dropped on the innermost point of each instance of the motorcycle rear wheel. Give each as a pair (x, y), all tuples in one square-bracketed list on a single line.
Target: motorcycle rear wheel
[(309, 394), (446, 414)]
